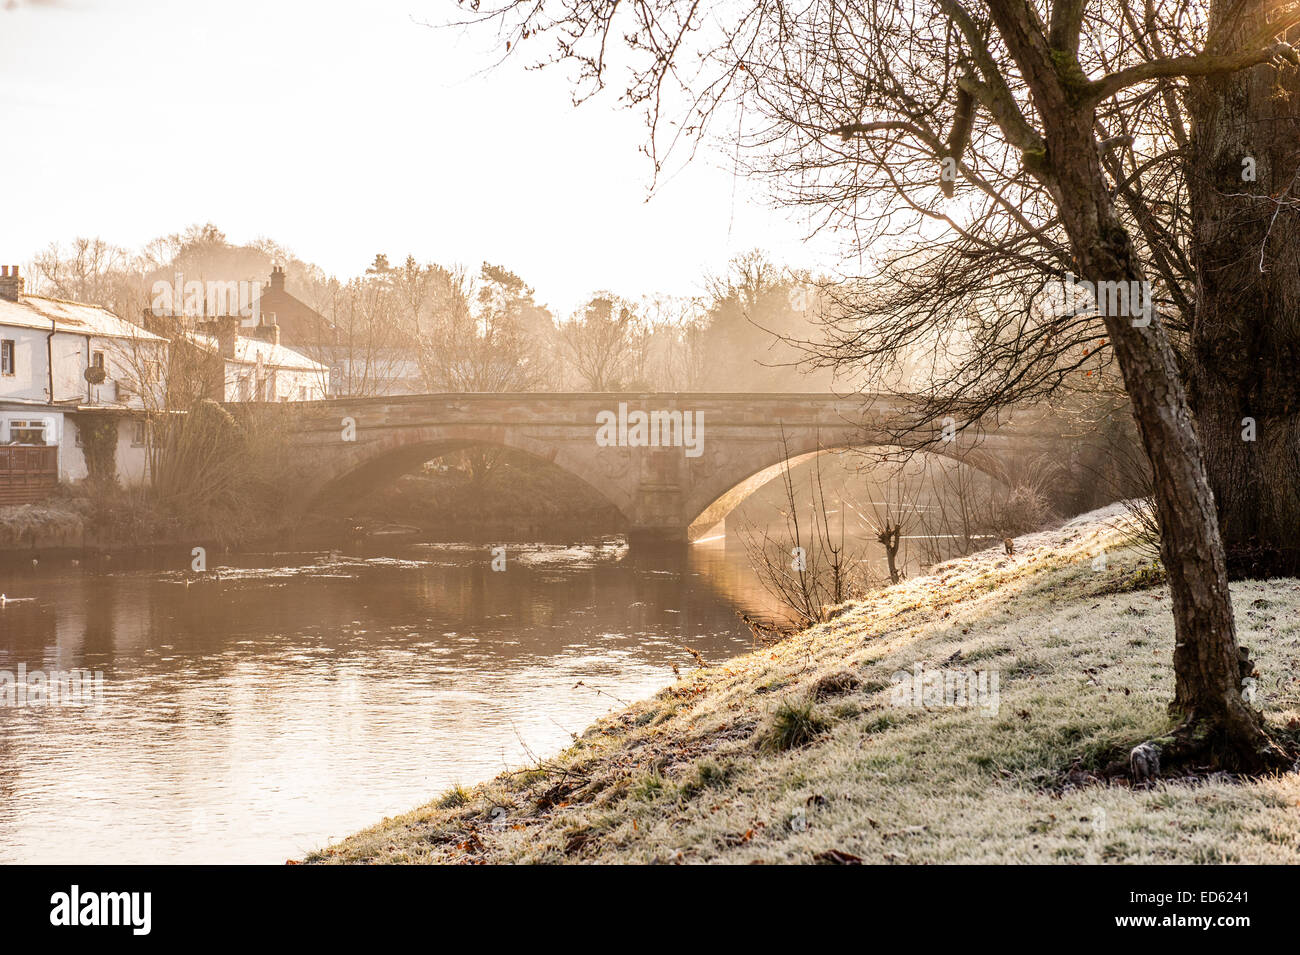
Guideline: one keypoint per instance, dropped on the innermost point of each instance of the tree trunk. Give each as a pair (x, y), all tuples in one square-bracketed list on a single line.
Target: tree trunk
[(1245, 342), (1207, 697), (1215, 720)]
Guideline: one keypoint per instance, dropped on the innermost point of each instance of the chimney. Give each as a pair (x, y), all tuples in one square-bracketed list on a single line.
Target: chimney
[(227, 331), (269, 330), (11, 283), (277, 278)]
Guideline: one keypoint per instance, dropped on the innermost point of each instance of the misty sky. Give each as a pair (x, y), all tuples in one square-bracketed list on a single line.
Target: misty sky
[(341, 130)]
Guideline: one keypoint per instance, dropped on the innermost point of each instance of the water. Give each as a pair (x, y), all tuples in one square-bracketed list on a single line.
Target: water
[(286, 700)]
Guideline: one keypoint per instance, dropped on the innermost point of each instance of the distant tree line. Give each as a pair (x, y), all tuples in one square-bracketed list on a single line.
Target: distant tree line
[(433, 327)]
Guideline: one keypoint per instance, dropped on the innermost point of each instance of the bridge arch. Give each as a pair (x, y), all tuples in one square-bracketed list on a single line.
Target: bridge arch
[(376, 464), (718, 497)]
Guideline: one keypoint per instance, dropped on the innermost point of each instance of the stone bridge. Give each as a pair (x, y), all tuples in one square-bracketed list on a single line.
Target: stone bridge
[(726, 445)]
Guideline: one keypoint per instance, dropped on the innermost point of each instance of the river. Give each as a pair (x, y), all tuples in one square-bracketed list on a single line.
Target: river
[(283, 700)]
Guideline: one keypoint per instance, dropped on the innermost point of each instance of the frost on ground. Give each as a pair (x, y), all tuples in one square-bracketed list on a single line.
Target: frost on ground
[(806, 751)]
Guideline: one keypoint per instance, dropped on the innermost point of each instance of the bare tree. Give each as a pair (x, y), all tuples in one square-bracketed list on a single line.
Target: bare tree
[(478, 339), (369, 347), (809, 567), (598, 341), (955, 520), (414, 286), (686, 363), (892, 508), (87, 270)]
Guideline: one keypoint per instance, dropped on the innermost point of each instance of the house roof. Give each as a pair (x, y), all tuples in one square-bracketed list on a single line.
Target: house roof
[(247, 351), (36, 311)]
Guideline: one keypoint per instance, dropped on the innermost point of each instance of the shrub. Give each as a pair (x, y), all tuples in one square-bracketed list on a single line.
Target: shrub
[(454, 798), (793, 724)]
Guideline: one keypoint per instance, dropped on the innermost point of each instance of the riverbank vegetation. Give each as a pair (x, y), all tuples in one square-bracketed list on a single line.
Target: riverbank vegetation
[(805, 750), (217, 474)]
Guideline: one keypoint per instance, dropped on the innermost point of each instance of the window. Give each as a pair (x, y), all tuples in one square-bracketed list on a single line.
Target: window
[(27, 431), (137, 434), (302, 392), (7, 356), (97, 359)]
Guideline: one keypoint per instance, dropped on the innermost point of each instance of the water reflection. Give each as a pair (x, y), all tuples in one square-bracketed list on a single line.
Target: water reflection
[(286, 699)]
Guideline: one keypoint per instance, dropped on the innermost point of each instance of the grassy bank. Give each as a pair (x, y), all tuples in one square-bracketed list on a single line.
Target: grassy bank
[(81, 517), (801, 753)]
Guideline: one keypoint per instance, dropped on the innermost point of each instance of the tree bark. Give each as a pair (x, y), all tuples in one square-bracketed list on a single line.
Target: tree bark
[(1245, 341)]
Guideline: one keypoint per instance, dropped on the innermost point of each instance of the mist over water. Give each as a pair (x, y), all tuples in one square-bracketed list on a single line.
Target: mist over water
[(289, 699)]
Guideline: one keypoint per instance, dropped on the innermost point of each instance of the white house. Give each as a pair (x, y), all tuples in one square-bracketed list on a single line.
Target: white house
[(249, 368), (64, 364)]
